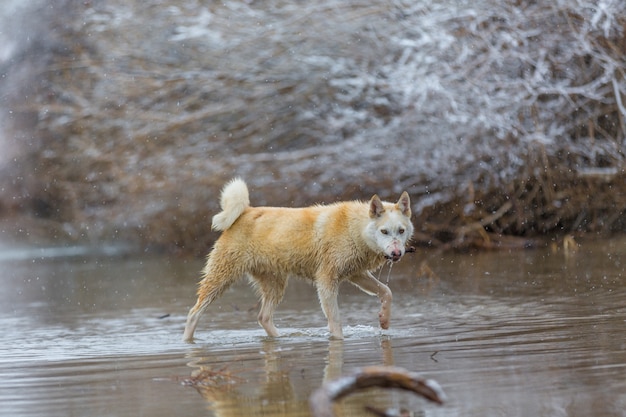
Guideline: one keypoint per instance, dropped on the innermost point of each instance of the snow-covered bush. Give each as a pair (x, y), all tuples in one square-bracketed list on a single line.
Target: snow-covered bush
[(475, 107)]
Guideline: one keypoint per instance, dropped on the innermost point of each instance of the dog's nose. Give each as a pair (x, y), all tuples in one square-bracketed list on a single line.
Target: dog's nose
[(396, 255)]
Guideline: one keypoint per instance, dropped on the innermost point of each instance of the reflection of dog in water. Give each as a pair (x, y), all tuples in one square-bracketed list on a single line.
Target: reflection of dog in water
[(327, 244), (235, 387)]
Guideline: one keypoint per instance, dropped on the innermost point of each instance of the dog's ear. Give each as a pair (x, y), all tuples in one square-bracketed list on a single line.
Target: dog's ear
[(404, 204), (376, 207)]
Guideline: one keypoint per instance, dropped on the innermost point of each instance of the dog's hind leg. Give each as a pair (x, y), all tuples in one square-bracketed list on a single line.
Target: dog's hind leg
[(218, 276), (369, 284), (272, 289), (192, 320)]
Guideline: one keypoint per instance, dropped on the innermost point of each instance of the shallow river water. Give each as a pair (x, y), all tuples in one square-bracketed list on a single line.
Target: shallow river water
[(524, 333)]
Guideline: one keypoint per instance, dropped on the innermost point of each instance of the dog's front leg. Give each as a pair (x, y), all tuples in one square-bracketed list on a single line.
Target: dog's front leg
[(369, 284), (327, 291)]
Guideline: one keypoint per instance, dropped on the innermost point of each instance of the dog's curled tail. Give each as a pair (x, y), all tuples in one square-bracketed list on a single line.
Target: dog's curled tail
[(234, 201)]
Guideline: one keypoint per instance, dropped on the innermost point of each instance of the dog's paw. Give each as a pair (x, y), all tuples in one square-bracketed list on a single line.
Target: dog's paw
[(383, 318)]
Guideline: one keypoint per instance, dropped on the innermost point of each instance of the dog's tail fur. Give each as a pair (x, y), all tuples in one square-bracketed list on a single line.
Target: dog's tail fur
[(234, 201)]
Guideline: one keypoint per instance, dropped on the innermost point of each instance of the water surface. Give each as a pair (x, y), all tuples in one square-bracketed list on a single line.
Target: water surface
[(521, 333)]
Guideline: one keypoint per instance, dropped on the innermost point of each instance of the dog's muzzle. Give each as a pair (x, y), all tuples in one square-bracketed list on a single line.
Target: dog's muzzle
[(397, 255)]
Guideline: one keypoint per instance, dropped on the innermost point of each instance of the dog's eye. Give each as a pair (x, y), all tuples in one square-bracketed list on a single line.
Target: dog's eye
[(401, 231), (384, 231)]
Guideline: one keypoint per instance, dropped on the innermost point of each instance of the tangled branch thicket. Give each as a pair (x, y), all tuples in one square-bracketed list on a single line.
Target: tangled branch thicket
[(498, 117)]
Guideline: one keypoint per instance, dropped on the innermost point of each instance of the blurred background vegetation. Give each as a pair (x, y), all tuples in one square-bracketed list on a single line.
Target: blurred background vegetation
[(121, 120)]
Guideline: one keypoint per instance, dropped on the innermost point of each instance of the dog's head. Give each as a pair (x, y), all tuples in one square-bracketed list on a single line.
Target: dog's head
[(390, 226)]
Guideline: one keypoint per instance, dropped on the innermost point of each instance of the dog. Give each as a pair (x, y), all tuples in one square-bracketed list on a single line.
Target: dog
[(327, 244)]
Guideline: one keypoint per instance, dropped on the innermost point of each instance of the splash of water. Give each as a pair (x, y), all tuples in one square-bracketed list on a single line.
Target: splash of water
[(380, 272)]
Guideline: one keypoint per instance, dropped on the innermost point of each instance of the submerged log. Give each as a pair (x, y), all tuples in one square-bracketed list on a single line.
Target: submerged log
[(321, 401)]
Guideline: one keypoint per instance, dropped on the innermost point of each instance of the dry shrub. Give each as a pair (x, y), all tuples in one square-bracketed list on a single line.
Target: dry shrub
[(143, 111)]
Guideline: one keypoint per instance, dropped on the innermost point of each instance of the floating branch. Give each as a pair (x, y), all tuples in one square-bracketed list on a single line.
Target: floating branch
[(321, 401)]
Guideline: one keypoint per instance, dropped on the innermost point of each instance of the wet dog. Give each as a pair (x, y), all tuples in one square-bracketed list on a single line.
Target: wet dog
[(327, 244)]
